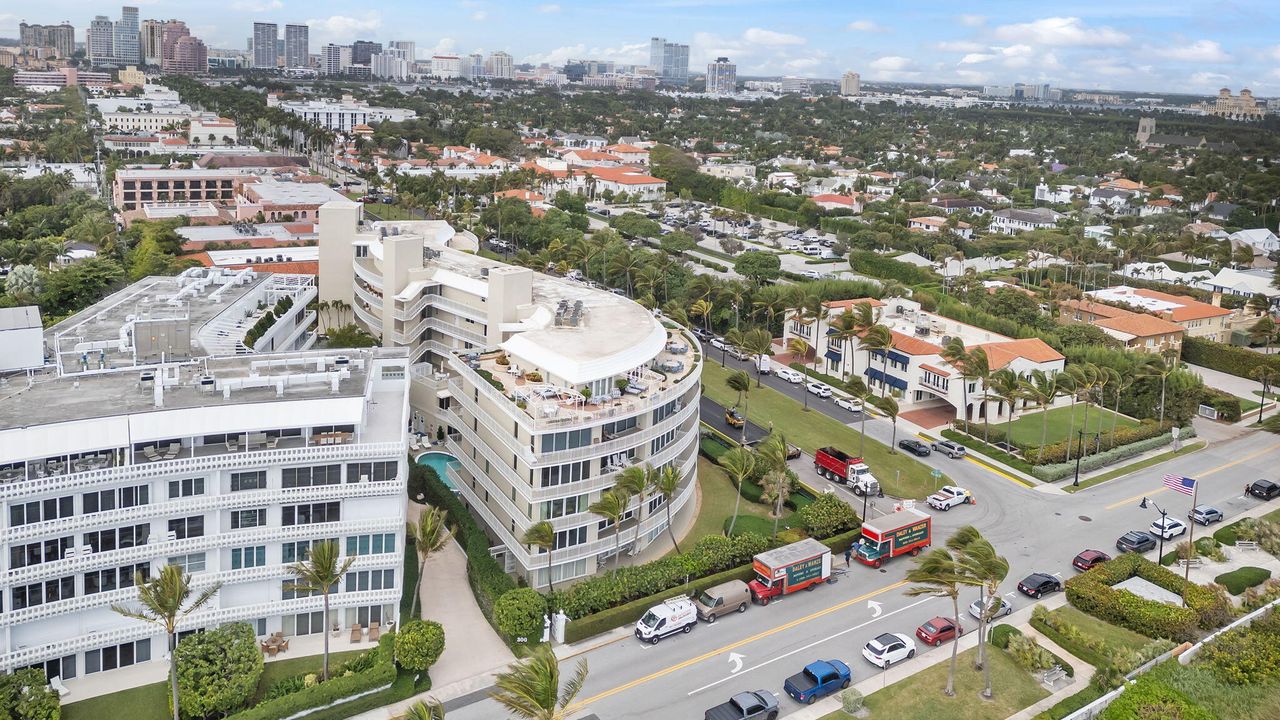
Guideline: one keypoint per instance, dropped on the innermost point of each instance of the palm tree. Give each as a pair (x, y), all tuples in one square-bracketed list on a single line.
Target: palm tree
[(429, 709), (1161, 366), (1119, 384), (1042, 389), (776, 481), (429, 536), (531, 688), (162, 599), (858, 389), (636, 481), (740, 463), (542, 535), (980, 562), (740, 382), (879, 339), (1263, 331), (843, 330), (955, 354), (977, 367), (667, 483), (1263, 374), (703, 309), (938, 574), (320, 573), (799, 347), (1006, 388), (889, 407), (611, 506), (757, 342)]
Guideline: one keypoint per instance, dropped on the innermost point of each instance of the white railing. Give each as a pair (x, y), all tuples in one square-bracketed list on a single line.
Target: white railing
[(463, 398), (372, 323), (459, 308), (610, 447), (96, 479), (370, 297), (457, 331), (369, 276)]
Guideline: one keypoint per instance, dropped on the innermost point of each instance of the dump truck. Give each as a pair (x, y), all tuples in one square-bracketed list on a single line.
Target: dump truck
[(801, 565), (840, 467), (905, 531)]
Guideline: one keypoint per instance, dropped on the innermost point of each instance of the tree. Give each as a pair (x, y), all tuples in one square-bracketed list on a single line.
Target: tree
[(758, 266), (740, 463), (1263, 332), (320, 573), (162, 599), (740, 382), (635, 481), (978, 367), (429, 709), (218, 670), (1264, 374), (23, 284), (419, 644), (531, 688), (1006, 387), (938, 574), (980, 562), (542, 535), (667, 483), (25, 695), (758, 343), (1042, 389), (778, 478), (429, 535), (956, 355), (611, 506), (858, 389), (519, 613), (1161, 366), (879, 338), (350, 336), (800, 348), (889, 407)]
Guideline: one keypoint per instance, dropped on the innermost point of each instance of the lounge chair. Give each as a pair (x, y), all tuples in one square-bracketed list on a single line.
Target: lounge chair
[(356, 634), (232, 445), (374, 631), (55, 682), (272, 442), (284, 645), (150, 453)]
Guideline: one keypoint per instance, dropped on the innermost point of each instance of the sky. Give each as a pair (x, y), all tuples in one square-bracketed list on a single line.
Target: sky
[(1170, 46)]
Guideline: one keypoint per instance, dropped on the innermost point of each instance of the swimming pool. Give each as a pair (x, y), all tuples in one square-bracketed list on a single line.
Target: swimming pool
[(438, 461)]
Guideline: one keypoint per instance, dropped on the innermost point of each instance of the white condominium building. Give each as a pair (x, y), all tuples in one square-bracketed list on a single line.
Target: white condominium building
[(155, 435), (547, 388), (342, 115)]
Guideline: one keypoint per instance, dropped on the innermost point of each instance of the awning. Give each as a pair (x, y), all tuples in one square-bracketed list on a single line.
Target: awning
[(834, 356)]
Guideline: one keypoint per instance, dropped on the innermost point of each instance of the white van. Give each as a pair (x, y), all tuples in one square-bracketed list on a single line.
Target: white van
[(678, 614), (814, 249)]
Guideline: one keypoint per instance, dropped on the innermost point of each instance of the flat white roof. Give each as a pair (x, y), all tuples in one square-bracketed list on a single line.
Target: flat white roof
[(294, 193)]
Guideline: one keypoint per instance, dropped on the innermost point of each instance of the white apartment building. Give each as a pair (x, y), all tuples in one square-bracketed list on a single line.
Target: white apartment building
[(446, 67), (154, 120), (548, 388), (342, 115), (155, 435), (1011, 220), (913, 370), (850, 84), (390, 66)]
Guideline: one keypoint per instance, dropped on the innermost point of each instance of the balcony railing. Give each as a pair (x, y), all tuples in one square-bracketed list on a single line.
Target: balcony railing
[(367, 274)]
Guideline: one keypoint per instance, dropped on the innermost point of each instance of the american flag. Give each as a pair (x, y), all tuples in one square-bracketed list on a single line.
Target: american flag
[(1184, 485)]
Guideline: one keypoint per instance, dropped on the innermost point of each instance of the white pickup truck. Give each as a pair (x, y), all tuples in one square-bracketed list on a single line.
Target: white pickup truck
[(948, 497)]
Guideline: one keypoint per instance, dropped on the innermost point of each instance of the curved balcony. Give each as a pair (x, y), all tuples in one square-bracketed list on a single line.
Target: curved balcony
[(371, 323), (368, 274), (374, 299)]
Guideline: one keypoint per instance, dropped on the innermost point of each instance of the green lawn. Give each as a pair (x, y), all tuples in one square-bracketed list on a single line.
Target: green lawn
[(812, 430), (1241, 579), (717, 502), (920, 697), (1112, 635), (1247, 405), (1026, 429), (1134, 467)]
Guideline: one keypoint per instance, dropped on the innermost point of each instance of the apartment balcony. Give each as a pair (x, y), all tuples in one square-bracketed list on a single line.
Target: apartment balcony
[(366, 271), (363, 292), (371, 322)]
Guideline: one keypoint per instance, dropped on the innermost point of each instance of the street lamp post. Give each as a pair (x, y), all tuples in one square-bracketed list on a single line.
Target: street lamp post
[(1076, 482), (1163, 515)]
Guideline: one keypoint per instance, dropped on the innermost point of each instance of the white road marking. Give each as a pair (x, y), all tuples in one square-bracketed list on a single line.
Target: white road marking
[(736, 661), (874, 607)]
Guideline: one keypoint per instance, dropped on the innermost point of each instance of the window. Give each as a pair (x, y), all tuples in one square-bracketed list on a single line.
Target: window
[(256, 480), (655, 502), (571, 537), (300, 550), (134, 496), (564, 506), (187, 527), (39, 552), (63, 667), (371, 544), (41, 510), (370, 580), (367, 614), (186, 488), (561, 474), (117, 656), (663, 440), (25, 596), (311, 476), (311, 623), (563, 571), (255, 556), (248, 518), (310, 513), (566, 440), (289, 590), (113, 578), (372, 471), (619, 427), (666, 411), (116, 538), (192, 563)]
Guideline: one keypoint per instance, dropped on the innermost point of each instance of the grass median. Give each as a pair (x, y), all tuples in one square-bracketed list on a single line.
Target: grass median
[(899, 475), (1134, 467)]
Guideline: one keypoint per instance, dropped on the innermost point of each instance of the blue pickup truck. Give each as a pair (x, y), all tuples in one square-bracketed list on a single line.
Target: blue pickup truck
[(818, 679)]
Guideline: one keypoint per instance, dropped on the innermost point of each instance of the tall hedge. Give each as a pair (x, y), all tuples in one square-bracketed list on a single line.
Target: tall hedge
[(218, 670), (1225, 358), (380, 675)]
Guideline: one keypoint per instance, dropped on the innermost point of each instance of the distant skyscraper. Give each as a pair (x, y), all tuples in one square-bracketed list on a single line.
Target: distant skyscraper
[(264, 44), (850, 84), (151, 42), (500, 65), (297, 46), (670, 61), (334, 59), (722, 77), (61, 38), (100, 41), (127, 51), (406, 49), (174, 31), (189, 57), (656, 53), (364, 50), (388, 66)]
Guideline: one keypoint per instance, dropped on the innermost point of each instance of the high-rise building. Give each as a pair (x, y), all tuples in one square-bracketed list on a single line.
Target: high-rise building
[(669, 61), (190, 57), (127, 51), (406, 49), (334, 59), (174, 30), (362, 51), (100, 41), (62, 38), (264, 45), (850, 84), (151, 42), (471, 66), (388, 66), (656, 54), (446, 67), (722, 77), (500, 65), (297, 45)]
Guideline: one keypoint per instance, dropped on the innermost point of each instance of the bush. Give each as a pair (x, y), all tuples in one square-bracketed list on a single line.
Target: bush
[(1230, 359), (218, 670), (1028, 654), (25, 695), (851, 701), (287, 686), (1240, 579), (419, 644), (519, 614), (827, 516), (1255, 598), (381, 674), (1152, 699), (1227, 405), (1072, 703), (1069, 637), (1089, 463), (1001, 633)]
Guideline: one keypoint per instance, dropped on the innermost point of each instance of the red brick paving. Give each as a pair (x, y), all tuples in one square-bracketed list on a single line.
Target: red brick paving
[(929, 418)]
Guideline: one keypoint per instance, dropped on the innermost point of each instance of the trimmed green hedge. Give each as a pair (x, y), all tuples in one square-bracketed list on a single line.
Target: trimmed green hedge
[(1056, 453), (1241, 579), (1227, 405), (335, 689), (1225, 358), (1072, 703), (1092, 592), (879, 266), (975, 444)]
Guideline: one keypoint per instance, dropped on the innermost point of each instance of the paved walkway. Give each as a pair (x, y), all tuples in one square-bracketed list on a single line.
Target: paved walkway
[(1242, 387)]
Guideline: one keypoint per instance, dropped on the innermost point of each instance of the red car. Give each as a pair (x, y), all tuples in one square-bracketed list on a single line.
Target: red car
[(939, 630), (1089, 559)]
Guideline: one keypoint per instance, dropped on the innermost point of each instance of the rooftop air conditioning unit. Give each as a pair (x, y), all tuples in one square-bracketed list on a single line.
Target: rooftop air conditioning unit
[(206, 383), (147, 378)]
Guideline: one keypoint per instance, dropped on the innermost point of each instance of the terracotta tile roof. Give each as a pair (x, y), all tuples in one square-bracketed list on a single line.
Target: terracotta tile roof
[(594, 155), (1191, 309), (1141, 325), (628, 149), (846, 304), (624, 176), (935, 370), (1000, 354), (913, 346), (1097, 309), (526, 195), (835, 199)]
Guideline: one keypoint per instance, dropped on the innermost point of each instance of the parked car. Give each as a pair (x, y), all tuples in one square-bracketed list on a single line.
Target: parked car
[(793, 452), (1002, 607), (1038, 584), (818, 679), (792, 376), (939, 630), (948, 497), (812, 274), (1089, 559), (950, 448), (1135, 541), (1205, 514), (850, 404), (722, 599), (717, 343), (1167, 528), (888, 649), (755, 705), (1264, 489), (737, 353), (915, 447), (817, 388), (702, 334)]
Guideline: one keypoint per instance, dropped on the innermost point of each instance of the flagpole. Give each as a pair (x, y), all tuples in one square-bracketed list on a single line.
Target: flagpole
[(1191, 541)]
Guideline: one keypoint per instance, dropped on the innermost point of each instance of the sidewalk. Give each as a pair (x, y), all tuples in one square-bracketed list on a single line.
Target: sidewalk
[(1242, 387)]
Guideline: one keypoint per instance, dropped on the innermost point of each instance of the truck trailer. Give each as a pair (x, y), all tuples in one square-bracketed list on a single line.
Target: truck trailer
[(798, 566), (905, 531)]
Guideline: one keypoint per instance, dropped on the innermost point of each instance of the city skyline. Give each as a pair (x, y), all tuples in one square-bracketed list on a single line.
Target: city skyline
[(1166, 47)]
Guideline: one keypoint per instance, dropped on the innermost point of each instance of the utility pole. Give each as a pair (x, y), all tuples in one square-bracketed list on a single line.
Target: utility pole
[(1076, 482), (1163, 515)]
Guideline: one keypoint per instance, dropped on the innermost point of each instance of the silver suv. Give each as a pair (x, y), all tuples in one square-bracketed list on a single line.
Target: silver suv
[(949, 448)]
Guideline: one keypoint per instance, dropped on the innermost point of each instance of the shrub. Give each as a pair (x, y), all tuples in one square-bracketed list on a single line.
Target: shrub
[(1227, 405), (1049, 473), (851, 701), (1086, 647), (1225, 358), (1240, 579), (1152, 699), (287, 686), (828, 515), (519, 614), (1001, 633), (419, 644), (1255, 598), (1028, 654), (381, 674), (26, 695), (218, 670)]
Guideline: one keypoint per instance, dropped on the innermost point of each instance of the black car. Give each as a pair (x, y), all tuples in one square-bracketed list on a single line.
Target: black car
[(1135, 541), (915, 447), (1264, 489), (1037, 584)]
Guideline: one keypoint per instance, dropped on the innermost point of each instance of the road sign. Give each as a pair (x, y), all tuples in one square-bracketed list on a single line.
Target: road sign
[(937, 474)]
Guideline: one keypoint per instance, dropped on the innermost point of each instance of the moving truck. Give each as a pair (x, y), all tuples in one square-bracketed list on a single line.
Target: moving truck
[(840, 467), (800, 565), (905, 531)]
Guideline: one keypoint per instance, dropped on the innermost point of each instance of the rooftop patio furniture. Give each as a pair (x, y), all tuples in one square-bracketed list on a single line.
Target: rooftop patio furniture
[(284, 645), (356, 633), (232, 444), (375, 631), (273, 441), (149, 452)]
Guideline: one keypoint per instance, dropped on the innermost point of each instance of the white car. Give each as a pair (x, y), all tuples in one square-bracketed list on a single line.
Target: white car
[(818, 389), (792, 376), (888, 649), (717, 343), (948, 497), (1167, 528), (850, 404), (812, 274), (1003, 607)]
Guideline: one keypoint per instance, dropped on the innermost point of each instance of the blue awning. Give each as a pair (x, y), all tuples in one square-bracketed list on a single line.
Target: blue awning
[(834, 356), (891, 380)]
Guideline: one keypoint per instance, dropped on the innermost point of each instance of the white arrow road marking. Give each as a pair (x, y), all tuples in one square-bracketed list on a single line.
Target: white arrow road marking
[(874, 607), (806, 647), (736, 660)]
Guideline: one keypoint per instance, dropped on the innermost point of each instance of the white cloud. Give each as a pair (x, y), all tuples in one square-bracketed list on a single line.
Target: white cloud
[(964, 46), (770, 38), (341, 28), (1199, 51), (1061, 31), (801, 63), (445, 46), (257, 6), (869, 26), (1208, 79), (975, 58), (549, 8), (892, 63), (626, 54), (479, 16), (972, 20)]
